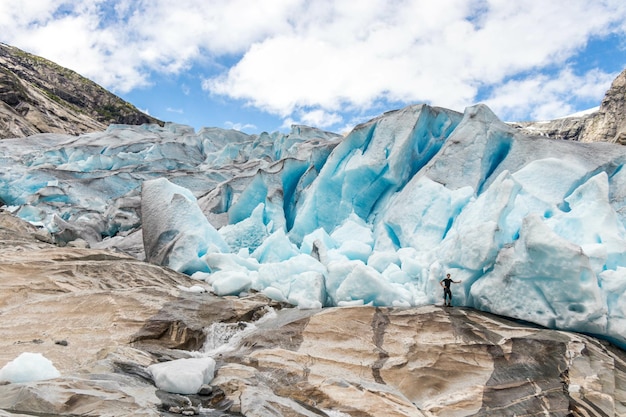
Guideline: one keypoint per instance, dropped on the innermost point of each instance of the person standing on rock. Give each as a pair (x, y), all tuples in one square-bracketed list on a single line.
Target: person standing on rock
[(447, 293)]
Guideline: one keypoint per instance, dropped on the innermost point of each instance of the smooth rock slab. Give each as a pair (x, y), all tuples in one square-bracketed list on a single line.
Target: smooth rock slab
[(119, 316), (423, 361)]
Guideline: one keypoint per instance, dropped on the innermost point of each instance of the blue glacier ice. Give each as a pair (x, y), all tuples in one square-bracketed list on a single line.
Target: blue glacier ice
[(168, 209), (533, 227)]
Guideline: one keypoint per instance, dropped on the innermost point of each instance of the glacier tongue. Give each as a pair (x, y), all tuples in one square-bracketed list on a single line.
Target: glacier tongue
[(534, 228)]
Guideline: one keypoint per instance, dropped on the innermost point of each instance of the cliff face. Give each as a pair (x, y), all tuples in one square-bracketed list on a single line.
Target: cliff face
[(607, 124), (38, 96)]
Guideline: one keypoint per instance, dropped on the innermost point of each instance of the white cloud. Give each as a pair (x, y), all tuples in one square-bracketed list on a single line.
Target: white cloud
[(71, 35), (239, 126), (288, 122), (118, 43), (543, 97), (320, 118), (172, 110), (440, 53), (313, 60)]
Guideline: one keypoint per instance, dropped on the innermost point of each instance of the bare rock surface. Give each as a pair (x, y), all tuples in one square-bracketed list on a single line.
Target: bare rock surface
[(85, 310), (426, 361), (607, 124), (39, 96), (102, 318)]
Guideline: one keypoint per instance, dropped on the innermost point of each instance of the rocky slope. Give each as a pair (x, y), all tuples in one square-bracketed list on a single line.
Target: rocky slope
[(103, 318), (38, 96), (607, 124)]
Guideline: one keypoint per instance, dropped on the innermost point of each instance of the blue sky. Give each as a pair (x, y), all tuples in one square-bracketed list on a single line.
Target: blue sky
[(265, 65)]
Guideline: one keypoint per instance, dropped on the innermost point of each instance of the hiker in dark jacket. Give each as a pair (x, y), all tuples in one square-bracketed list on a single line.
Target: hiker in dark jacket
[(447, 293)]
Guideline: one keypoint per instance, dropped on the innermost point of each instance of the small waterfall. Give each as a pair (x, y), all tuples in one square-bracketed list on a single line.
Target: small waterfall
[(223, 337)]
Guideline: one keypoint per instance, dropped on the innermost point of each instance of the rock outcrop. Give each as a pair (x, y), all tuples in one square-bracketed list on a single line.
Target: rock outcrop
[(426, 361), (85, 310), (38, 96), (607, 124), (103, 318)]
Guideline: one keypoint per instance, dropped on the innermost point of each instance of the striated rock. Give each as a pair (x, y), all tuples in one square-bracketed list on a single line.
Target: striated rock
[(113, 314), (118, 315), (607, 124), (426, 361), (38, 96), (567, 128)]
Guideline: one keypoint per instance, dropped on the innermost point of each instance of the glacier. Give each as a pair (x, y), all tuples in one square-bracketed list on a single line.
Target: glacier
[(533, 227)]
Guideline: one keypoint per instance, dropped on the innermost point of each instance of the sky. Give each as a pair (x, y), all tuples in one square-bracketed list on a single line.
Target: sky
[(265, 65)]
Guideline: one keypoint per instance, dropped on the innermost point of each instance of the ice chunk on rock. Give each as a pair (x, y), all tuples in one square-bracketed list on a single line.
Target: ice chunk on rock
[(230, 282), (298, 280), (183, 376), (29, 367), (366, 284)]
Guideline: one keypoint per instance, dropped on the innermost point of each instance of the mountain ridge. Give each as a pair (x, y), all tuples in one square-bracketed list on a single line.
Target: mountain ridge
[(40, 96), (606, 124)]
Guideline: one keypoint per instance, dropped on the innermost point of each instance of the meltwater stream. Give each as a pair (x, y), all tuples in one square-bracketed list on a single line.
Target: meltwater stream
[(225, 337)]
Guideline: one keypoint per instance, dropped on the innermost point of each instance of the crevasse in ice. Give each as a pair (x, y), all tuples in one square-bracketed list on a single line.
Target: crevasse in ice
[(533, 227)]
